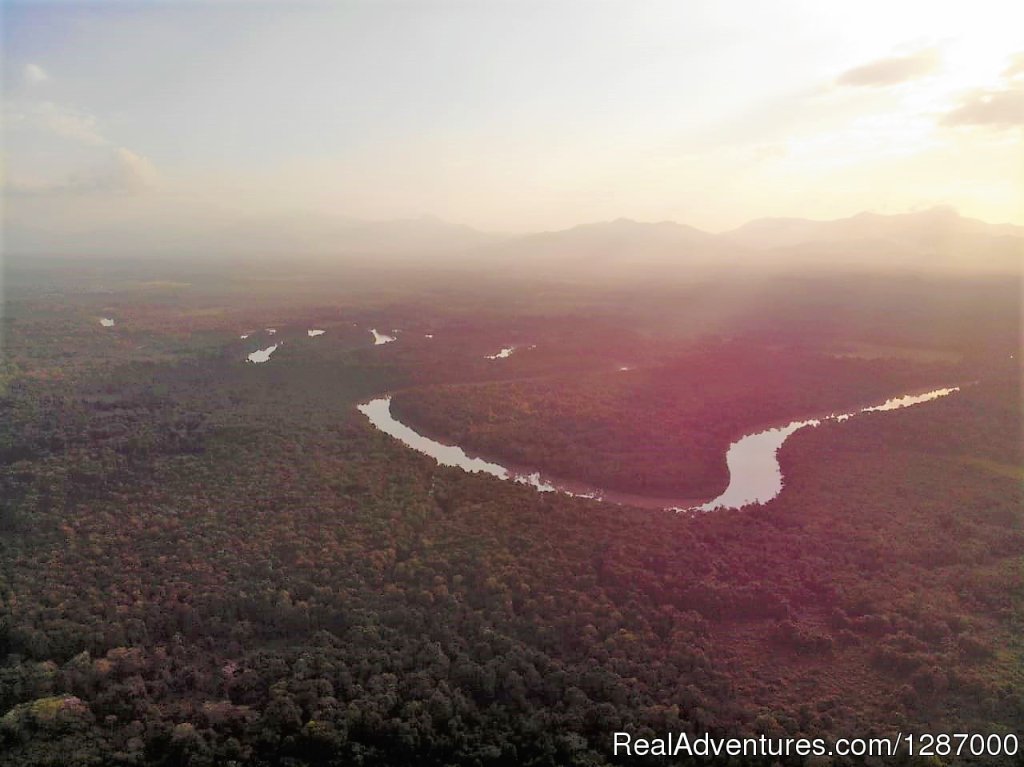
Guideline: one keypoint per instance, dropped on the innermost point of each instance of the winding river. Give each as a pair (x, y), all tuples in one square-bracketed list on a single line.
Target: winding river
[(754, 473)]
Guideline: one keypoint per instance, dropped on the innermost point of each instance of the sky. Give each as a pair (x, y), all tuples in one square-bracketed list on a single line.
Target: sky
[(143, 120)]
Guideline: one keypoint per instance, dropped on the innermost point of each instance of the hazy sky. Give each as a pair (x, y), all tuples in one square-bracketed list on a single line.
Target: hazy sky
[(507, 116)]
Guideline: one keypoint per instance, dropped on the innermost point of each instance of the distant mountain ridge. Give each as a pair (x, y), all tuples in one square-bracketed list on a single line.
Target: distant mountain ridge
[(290, 234), (325, 234), (938, 239), (924, 226), (622, 243)]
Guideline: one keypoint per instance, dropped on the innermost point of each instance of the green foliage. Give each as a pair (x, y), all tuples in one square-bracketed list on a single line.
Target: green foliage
[(204, 562), (663, 430)]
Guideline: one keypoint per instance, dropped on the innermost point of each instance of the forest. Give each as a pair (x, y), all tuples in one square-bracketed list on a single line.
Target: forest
[(661, 430), (206, 561)]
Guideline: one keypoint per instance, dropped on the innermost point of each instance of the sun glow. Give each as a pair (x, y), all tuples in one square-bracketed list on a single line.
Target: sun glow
[(500, 119)]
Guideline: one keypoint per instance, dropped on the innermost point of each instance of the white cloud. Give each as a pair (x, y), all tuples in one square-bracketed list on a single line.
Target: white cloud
[(995, 108), (33, 74), (48, 117), (892, 70), (1000, 107), (125, 171), (121, 172), (1016, 66)]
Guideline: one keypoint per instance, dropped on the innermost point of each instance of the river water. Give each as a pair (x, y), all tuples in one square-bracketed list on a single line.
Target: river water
[(379, 339), (262, 355), (755, 476)]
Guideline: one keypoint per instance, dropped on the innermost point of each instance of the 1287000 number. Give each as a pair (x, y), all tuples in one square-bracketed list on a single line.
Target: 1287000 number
[(962, 744)]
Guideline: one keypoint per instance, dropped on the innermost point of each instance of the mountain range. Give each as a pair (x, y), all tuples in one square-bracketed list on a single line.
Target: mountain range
[(938, 239)]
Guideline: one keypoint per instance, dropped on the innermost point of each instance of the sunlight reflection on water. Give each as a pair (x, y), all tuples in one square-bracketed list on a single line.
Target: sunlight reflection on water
[(754, 473)]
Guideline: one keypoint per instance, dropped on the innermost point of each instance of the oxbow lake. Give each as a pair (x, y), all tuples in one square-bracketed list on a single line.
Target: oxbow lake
[(262, 355)]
